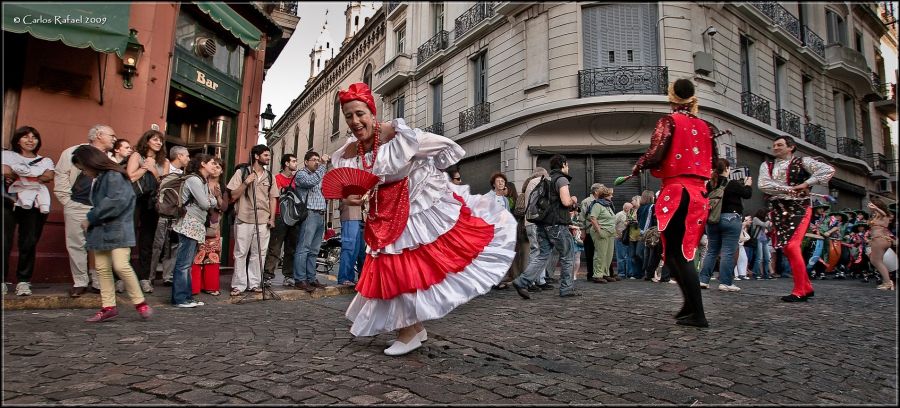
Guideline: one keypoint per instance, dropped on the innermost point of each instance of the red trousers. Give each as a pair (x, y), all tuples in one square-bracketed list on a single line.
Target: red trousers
[(802, 285), (204, 277)]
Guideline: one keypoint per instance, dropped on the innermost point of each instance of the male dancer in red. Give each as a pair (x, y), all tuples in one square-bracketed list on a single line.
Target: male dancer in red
[(787, 181), (681, 154)]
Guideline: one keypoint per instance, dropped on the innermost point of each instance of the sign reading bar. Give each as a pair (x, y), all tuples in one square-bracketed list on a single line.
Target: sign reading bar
[(205, 82), (201, 78)]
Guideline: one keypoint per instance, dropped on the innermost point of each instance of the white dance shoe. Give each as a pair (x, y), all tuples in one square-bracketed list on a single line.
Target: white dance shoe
[(422, 336), (400, 348)]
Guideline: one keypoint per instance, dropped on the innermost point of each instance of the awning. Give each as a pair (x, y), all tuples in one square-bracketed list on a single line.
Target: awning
[(233, 22), (101, 26)]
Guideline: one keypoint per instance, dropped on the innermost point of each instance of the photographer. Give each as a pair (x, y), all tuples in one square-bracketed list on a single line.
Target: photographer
[(724, 234)]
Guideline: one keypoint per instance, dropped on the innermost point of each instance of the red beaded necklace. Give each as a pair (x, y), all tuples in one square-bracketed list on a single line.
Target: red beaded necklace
[(362, 152)]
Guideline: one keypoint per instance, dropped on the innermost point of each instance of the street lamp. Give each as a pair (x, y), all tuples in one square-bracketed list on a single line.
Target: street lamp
[(133, 51), (268, 117)]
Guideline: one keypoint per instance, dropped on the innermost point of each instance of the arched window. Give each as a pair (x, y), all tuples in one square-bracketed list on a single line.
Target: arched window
[(356, 21), (367, 75), (312, 126), (296, 138), (336, 116)]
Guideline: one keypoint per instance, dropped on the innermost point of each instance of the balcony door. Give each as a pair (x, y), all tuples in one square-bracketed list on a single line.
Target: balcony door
[(617, 35)]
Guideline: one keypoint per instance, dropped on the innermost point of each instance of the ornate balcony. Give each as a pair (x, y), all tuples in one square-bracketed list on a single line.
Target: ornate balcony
[(780, 16), (815, 134), (812, 41), (437, 128), (393, 74), (756, 107), (879, 164), (787, 122), (850, 147), (474, 117), (850, 66), (438, 43), (643, 80), (468, 20)]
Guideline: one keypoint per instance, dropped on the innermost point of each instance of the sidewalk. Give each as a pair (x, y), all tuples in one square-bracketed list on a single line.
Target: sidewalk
[(56, 295)]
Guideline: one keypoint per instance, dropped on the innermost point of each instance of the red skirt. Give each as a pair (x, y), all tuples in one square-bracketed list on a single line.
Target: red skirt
[(698, 210), (388, 275)]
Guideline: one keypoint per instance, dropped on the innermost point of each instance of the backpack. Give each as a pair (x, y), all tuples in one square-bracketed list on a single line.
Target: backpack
[(715, 204), (539, 206), (522, 201), (291, 207), (168, 203)]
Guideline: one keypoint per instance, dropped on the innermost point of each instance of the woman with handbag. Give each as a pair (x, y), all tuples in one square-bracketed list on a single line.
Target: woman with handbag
[(724, 233), (109, 230), (190, 227), (146, 166), (205, 270)]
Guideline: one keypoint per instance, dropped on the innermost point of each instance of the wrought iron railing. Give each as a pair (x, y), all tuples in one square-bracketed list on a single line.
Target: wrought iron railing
[(440, 41), (756, 107), (787, 122), (812, 41), (878, 162), (645, 80), (850, 147), (474, 117), (886, 90), (287, 7), (479, 12), (815, 134), (437, 128), (780, 16)]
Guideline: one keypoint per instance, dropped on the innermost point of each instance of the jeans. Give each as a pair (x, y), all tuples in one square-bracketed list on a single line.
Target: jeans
[(30, 224), (622, 267), (352, 251), (181, 273), (551, 237), (723, 239), (282, 236), (534, 248), (751, 260), (761, 268), (308, 243)]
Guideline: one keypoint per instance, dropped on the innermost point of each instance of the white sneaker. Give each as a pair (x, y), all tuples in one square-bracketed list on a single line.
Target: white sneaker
[(400, 348), (704, 285), (197, 303), (146, 286), (5, 289), (23, 289), (729, 288), (422, 336), (185, 305), (288, 282), (120, 286)]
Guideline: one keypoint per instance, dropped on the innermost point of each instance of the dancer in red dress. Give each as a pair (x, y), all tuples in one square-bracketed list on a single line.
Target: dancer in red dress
[(432, 246), (681, 154)]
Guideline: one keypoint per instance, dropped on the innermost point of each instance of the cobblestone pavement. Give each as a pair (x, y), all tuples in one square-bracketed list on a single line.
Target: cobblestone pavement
[(617, 344)]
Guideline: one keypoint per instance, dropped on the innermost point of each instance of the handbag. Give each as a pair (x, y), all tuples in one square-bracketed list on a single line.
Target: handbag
[(146, 185), (890, 260)]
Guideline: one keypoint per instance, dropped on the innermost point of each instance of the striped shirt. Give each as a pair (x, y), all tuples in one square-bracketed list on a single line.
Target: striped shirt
[(311, 183)]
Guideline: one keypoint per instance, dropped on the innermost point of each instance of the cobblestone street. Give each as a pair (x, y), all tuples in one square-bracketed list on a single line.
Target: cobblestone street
[(617, 344)]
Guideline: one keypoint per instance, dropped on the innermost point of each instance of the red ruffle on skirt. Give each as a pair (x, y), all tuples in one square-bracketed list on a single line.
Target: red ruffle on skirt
[(389, 275), (697, 211)]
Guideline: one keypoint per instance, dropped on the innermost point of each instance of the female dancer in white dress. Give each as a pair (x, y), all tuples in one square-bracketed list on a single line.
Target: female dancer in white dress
[(432, 246)]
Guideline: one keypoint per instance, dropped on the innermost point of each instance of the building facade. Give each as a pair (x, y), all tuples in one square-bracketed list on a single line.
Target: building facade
[(314, 120), (516, 82), (191, 70)]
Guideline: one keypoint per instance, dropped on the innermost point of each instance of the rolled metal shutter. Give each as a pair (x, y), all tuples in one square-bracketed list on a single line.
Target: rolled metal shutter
[(752, 159), (580, 184), (607, 168), (476, 171)]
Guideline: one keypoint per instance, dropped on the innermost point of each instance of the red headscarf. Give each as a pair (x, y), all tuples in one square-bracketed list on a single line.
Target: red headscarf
[(358, 92)]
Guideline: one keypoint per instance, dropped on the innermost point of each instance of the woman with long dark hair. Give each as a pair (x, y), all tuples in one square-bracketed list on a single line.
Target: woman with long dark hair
[(146, 166), (109, 229), (26, 172), (191, 227)]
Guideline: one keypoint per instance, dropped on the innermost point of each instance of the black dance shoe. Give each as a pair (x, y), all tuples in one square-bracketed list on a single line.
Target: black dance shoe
[(793, 298), (693, 320)]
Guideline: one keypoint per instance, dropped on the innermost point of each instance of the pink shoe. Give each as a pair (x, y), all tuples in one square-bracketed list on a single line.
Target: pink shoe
[(144, 310), (103, 315)]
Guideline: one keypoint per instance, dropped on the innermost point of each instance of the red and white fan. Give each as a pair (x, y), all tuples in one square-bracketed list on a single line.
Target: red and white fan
[(346, 181)]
